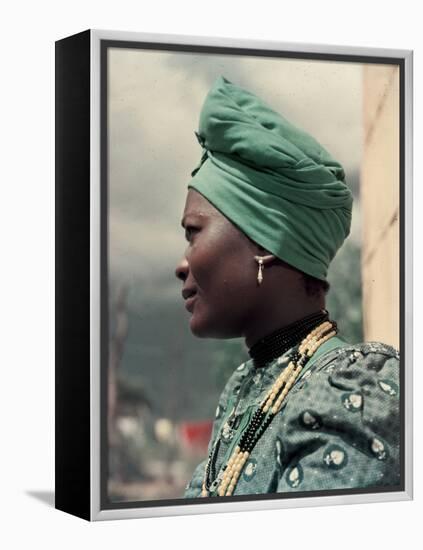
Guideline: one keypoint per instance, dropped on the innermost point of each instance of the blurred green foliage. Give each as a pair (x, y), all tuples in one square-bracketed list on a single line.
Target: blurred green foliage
[(344, 300)]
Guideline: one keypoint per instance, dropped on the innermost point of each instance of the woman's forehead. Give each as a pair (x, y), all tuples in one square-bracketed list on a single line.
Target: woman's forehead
[(197, 205)]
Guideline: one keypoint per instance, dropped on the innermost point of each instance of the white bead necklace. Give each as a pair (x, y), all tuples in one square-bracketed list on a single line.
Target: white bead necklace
[(229, 474)]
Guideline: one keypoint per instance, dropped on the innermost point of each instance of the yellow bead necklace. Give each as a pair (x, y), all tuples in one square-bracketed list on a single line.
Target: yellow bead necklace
[(229, 474)]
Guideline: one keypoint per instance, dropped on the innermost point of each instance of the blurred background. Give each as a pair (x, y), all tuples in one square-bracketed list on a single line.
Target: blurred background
[(164, 383)]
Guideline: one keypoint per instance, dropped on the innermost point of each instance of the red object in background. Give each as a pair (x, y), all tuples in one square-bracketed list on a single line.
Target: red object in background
[(196, 435)]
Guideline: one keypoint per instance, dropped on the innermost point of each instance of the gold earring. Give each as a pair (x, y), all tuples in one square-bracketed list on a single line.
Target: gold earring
[(260, 270)]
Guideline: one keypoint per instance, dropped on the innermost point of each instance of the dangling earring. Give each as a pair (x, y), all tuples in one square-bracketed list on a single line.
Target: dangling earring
[(260, 270)]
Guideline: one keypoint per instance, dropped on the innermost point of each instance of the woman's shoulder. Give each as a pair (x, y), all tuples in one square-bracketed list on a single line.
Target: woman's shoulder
[(343, 415), (355, 367), (368, 349), (366, 355)]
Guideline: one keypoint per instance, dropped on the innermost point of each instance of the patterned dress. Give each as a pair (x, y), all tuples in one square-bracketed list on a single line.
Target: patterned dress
[(339, 427)]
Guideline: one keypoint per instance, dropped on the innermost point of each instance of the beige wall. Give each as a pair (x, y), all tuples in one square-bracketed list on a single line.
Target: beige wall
[(380, 200)]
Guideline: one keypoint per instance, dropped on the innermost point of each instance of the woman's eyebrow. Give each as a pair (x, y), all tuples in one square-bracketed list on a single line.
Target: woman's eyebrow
[(184, 219), (198, 217)]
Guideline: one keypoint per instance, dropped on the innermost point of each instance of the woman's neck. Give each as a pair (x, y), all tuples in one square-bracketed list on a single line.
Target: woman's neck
[(280, 341), (268, 323)]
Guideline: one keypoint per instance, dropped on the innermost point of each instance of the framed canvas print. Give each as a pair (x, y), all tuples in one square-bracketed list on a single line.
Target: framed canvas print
[(233, 275)]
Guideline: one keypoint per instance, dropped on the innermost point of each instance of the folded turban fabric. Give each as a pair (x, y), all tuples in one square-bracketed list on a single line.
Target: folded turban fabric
[(275, 182)]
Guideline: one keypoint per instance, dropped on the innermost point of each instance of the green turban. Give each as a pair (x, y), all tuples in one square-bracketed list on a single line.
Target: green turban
[(275, 182)]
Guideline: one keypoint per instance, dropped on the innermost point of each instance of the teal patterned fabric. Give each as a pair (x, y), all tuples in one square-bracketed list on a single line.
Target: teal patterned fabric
[(339, 427)]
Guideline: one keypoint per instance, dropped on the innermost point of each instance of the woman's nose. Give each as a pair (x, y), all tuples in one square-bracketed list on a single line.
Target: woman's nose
[(182, 269)]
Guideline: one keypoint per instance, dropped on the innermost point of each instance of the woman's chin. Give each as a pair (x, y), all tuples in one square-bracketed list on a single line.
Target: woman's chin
[(202, 328), (198, 327)]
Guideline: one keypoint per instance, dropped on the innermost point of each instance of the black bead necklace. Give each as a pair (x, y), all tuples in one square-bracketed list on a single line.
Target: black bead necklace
[(312, 331), (279, 342)]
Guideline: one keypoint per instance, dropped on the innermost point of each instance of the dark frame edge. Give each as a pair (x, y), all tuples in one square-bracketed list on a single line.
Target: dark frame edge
[(72, 274)]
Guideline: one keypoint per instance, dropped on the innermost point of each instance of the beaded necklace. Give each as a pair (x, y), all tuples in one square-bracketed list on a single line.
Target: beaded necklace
[(280, 341), (229, 474)]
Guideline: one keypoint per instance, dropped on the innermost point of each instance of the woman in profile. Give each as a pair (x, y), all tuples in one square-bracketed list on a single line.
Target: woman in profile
[(266, 211)]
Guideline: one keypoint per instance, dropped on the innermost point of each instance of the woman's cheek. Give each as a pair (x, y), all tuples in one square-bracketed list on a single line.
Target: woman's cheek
[(204, 261)]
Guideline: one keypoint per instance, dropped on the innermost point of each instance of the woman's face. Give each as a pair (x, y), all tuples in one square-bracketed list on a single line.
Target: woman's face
[(218, 270)]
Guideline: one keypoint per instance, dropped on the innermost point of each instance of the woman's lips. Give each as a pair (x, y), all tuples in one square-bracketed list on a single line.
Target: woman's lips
[(189, 302), (189, 294)]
